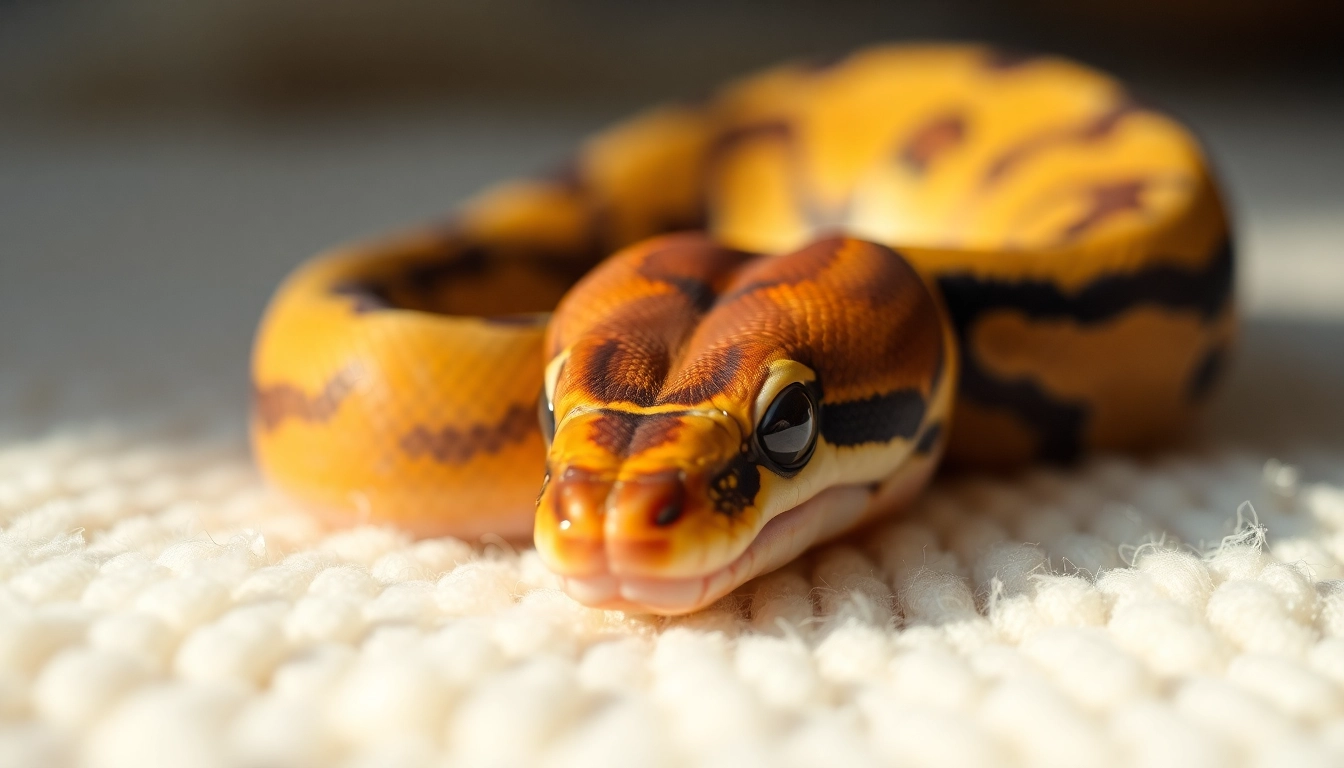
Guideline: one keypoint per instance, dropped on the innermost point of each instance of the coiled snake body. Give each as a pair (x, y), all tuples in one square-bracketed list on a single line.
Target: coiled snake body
[(824, 278)]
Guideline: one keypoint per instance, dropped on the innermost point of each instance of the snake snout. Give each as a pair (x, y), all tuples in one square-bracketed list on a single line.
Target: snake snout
[(600, 525), (576, 502), (630, 493), (654, 518)]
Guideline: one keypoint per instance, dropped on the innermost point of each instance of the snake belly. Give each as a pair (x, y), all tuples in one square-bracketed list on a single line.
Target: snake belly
[(730, 330)]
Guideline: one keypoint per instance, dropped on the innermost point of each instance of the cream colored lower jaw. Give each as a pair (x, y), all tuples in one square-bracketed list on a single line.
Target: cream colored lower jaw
[(823, 517)]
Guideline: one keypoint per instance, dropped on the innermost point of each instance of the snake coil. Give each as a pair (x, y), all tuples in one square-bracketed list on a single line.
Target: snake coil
[(824, 278)]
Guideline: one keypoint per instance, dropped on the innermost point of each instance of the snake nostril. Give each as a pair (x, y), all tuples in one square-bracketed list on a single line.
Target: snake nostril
[(649, 500), (580, 498), (668, 514)]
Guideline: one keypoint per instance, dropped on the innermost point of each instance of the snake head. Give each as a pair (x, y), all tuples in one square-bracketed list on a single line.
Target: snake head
[(713, 412)]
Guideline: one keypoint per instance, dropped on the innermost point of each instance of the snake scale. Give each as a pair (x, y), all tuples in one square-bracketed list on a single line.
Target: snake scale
[(729, 330)]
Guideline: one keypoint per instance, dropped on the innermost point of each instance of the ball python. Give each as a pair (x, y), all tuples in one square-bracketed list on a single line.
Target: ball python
[(729, 330)]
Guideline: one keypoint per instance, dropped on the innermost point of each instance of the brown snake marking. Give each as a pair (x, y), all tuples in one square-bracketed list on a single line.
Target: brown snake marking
[(617, 371), (1059, 424), (417, 285), (655, 370), (625, 434), (612, 431), (451, 445), (930, 438), (645, 370), (275, 403), (1207, 373), (875, 419), (704, 378), (939, 136), (805, 265), (1106, 200), (1089, 131), (655, 431), (679, 270)]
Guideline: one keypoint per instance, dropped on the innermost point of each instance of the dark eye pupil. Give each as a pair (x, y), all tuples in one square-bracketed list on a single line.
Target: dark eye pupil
[(788, 431), (546, 416)]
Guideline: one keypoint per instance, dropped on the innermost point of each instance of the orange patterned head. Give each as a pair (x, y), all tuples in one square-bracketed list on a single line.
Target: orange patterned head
[(713, 412)]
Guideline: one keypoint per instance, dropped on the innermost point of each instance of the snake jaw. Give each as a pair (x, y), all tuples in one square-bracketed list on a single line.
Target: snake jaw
[(786, 536), (783, 538)]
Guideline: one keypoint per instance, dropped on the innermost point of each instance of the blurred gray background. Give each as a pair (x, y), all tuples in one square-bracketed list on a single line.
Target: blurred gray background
[(163, 165)]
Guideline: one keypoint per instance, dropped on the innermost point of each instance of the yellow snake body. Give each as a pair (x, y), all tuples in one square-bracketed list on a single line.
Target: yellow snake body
[(756, 322)]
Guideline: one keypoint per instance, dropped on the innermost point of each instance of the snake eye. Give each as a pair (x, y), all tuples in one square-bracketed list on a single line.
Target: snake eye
[(546, 416), (788, 431)]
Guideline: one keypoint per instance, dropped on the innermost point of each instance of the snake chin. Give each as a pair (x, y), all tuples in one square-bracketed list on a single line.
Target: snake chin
[(783, 538)]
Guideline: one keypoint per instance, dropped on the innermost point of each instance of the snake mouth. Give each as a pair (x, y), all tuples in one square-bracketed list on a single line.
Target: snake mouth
[(780, 540), (786, 536)]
